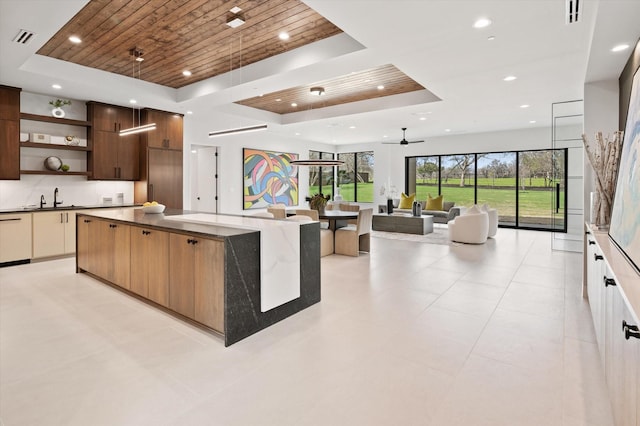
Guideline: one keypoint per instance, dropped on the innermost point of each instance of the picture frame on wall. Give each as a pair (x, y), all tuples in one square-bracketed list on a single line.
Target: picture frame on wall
[(269, 178), (624, 229)]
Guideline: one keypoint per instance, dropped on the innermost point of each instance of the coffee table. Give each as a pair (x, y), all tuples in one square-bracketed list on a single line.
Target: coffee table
[(405, 224)]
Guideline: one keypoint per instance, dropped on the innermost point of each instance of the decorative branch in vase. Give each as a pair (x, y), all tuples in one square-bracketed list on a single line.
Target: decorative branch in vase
[(604, 158)]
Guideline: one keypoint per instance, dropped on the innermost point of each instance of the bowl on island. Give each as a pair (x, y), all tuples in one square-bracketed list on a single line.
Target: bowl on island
[(154, 208)]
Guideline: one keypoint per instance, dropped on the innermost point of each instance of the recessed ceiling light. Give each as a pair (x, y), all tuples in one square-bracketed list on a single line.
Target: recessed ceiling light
[(524, 106), (491, 38), (423, 118), (482, 23), (293, 104), (620, 48), (532, 121), (139, 59), (447, 130), (283, 36), (235, 10), (278, 100), (56, 86), (186, 73), (510, 78), (133, 101), (385, 136), (352, 127), (75, 39), (189, 112), (380, 87), (193, 151), (297, 134)]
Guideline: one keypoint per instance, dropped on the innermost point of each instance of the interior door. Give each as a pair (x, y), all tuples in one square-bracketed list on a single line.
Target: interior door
[(203, 179)]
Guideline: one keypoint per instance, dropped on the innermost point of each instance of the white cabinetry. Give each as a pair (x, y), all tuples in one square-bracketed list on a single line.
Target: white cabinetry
[(15, 237), (54, 233), (612, 288)]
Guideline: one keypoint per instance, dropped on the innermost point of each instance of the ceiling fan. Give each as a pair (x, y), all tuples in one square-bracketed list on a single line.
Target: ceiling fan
[(404, 141)]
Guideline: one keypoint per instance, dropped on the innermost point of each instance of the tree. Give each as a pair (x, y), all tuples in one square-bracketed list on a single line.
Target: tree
[(464, 163)]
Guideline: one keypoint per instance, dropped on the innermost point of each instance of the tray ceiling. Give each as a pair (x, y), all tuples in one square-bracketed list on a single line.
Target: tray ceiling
[(178, 35), (382, 81)]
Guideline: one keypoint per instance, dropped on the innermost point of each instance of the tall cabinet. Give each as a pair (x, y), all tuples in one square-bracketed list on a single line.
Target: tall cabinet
[(161, 160), (113, 157), (9, 132)]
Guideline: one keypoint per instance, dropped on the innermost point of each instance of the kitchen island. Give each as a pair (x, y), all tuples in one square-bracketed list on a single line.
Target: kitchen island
[(232, 275)]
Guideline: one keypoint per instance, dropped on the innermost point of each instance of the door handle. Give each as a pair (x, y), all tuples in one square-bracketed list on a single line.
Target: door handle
[(557, 197)]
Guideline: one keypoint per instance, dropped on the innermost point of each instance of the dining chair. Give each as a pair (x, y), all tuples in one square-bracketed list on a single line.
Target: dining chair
[(352, 239), (348, 207), (278, 211), (326, 235), (313, 214)]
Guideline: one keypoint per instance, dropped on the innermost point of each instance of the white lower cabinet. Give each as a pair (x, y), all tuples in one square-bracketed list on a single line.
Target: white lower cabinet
[(616, 332), (54, 233), (15, 237)]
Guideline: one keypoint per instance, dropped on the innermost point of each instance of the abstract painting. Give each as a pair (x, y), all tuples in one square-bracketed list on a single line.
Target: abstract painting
[(269, 178), (625, 220)]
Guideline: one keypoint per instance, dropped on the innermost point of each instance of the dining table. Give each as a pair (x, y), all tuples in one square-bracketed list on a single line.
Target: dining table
[(337, 218)]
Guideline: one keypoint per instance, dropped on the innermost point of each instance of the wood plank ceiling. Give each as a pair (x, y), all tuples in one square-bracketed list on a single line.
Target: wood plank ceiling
[(178, 35), (357, 86)]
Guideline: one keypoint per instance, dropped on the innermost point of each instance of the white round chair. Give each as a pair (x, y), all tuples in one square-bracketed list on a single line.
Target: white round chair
[(471, 227), (493, 219)]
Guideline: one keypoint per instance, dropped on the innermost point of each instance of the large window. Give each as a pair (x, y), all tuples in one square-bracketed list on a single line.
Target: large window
[(526, 187), (321, 178), (355, 176)]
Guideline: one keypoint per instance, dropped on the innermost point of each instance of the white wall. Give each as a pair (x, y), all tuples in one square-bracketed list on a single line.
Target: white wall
[(76, 190), (230, 184), (601, 111)]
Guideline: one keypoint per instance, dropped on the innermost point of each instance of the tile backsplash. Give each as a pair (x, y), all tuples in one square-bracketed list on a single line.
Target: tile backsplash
[(76, 190)]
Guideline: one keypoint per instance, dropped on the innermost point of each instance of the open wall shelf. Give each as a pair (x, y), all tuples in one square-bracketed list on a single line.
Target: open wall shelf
[(47, 119)]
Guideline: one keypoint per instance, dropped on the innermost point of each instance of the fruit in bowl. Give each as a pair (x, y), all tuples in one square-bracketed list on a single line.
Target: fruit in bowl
[(152, 207)]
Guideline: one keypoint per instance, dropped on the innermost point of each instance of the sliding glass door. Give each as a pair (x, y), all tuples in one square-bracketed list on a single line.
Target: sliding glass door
[(497, 184)]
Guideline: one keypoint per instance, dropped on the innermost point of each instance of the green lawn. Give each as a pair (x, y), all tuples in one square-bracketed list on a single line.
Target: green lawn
[(534, 203)]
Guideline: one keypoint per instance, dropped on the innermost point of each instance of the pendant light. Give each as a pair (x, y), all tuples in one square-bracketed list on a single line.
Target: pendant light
[(136, 54)]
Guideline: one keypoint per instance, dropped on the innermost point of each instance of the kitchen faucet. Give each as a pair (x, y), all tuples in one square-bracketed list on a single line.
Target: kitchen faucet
[(42, 201), (55, 198)]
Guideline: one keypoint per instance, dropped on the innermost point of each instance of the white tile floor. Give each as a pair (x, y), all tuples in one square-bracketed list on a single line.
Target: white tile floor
[(412, 334)]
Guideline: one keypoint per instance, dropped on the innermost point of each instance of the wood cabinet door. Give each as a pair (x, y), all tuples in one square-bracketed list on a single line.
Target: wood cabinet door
[(181, 274), (104, 118), (128, 162), (150, 264), (174, 132), (48, 234), (165, 177), (69, 232), (83, 254), (158, 262), (139, 257), (15, 237), (9, 103), (209, 283), (103, 159), (9, 149), (121, 255), (156, 138)]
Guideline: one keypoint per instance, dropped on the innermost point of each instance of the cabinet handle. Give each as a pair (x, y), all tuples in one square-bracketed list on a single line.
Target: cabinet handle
[(10, 220), (591, 242), (190, 241), (66, 217), (630, 330), (609, 281), (61, 217), (598, 257), (87, 221), (587, 232), (151, 191), (145, 232), (111, 225)]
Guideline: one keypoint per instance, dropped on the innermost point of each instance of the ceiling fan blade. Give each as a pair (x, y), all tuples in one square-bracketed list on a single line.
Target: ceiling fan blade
[(415, 141)]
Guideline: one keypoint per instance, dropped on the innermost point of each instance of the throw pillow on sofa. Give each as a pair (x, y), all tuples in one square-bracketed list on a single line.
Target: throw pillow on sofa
[(406, 201), (448, 205), (434, 203)]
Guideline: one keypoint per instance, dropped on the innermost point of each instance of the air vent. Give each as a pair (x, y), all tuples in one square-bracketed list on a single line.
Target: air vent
[(24, 36), (573, 12)]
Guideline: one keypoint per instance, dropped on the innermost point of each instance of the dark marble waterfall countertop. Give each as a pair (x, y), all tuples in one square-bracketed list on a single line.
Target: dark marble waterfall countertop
[(34, 208), (158, 221)]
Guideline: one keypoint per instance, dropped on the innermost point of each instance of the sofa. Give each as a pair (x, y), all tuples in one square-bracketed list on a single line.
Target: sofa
[(449, 211)]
